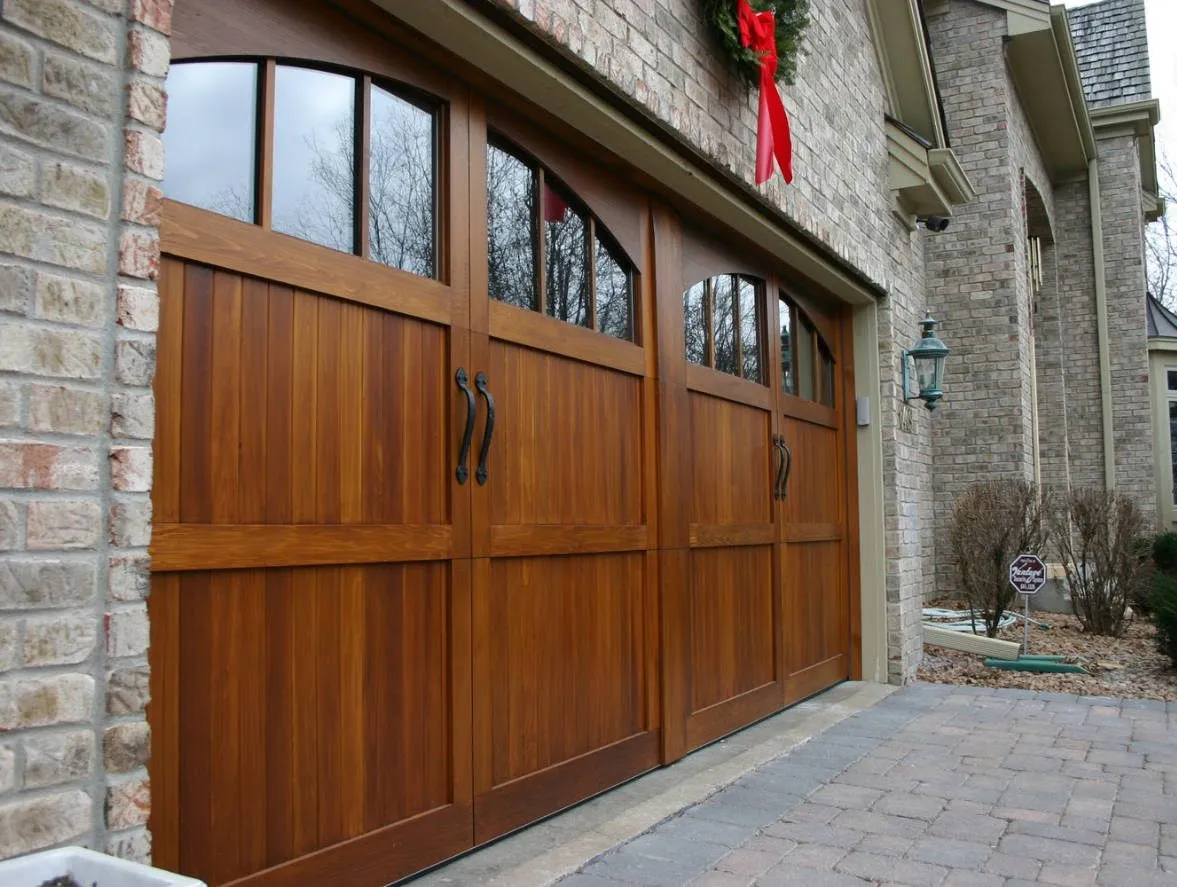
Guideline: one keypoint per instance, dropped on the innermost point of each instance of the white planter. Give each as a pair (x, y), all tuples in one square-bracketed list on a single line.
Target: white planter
[(88, 868)]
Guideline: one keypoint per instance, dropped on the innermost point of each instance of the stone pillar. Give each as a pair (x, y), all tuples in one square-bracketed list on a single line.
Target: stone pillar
[(81, 108), (976, 272), (1123, 249)]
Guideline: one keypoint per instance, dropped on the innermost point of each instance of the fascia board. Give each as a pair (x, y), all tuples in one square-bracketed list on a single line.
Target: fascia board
[(906, 67)]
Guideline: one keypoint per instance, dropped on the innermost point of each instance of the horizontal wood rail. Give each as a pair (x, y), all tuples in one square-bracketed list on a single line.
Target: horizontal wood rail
[(723, 535), (518, 541), (708, 381), (524, 327), (809, 411), (813, 533), (249, 546), (205, 237)]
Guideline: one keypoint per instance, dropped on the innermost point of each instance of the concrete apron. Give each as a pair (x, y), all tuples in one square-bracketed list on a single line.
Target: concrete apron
[(547, 851)]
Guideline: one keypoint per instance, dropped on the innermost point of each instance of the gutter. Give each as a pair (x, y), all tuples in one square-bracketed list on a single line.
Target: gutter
[(1101, 323)]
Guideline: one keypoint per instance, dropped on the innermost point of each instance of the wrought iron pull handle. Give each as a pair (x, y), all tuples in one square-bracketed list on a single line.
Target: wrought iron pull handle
[(788, 469), (480, 382), (468, 434), (777, 440)]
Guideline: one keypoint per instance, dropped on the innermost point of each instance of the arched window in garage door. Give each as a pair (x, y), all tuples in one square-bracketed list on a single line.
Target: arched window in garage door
[(334, 158), (722, 325), (807, 363), (548, 253)]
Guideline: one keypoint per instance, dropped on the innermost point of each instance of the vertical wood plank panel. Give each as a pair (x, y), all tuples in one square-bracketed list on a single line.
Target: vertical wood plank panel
[(225, 739), (196, 705), (304, 711), (328, 412), (252, 724), (280, 406), (195, 475), (355, 430), (253, 392), (165, 489), (225, 428), (281, 771), (304, 409), (164, 714), (328, 661)]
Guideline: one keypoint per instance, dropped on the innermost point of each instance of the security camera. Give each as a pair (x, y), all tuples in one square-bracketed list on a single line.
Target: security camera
[(933, 223)]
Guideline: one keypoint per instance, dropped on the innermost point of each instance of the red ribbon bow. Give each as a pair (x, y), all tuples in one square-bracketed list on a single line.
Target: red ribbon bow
[(758, 33)]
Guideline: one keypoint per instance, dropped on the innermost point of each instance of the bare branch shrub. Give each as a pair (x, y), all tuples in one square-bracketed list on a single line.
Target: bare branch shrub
[(1095, 532), (992, 523)]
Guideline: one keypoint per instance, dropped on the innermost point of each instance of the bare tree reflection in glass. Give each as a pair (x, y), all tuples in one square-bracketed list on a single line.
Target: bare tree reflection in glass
[(695, 323), (614, 294), (510, 192), (314, 156), (750, 329), (725, 328), (566, 231), (401, 214)]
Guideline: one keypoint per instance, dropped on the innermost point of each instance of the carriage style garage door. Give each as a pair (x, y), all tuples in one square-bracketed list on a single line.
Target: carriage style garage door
[(459, 519)]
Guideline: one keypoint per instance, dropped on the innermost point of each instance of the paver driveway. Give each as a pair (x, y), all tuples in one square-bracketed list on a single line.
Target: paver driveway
[(939, 786)]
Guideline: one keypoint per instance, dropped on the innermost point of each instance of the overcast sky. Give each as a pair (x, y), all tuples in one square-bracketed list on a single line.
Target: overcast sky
[(1162, 31)]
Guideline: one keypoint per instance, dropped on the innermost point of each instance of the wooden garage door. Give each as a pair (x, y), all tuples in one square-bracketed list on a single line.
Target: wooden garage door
[(816, 379), (311, 649), (565, 678)]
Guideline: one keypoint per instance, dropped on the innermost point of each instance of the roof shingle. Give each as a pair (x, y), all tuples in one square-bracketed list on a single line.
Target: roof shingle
[(1111, 42)]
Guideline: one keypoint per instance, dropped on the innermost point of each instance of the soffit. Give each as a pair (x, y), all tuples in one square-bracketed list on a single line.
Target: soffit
[(1045, 72)]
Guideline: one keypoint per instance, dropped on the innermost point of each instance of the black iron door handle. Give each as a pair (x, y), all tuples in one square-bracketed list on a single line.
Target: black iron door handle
[(467, 435), (779, 459), (480, 382), (788, 468)]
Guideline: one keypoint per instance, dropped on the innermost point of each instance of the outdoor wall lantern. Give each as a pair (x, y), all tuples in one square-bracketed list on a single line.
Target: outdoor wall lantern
[(927, 356)]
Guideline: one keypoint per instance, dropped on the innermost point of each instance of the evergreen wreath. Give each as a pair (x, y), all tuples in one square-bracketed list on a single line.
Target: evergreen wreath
[(792, 17)]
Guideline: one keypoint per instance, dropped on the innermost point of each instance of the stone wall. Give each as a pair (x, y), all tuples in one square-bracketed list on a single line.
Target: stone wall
[(81, 105)]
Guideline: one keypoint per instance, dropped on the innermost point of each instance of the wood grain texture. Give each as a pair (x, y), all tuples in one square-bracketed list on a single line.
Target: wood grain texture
[(566, 644), (211, 239), (548, 334), (315, 708), (731, 463)]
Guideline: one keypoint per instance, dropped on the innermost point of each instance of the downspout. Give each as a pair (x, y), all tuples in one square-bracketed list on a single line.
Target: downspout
[(1101, 325)]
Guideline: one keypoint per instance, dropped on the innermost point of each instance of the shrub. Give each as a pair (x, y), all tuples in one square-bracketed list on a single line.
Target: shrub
[(1164, 553), (992, 523), (1164, 613), (1095, 532)]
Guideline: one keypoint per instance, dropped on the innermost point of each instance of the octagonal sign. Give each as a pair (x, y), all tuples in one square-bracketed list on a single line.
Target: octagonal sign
[(1027, 573)]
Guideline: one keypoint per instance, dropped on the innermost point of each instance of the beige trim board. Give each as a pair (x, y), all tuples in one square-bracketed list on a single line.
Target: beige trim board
[(898, 35), (872, 550), (455, 26)]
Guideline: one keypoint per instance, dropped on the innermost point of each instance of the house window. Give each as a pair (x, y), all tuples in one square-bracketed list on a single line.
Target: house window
[(335, 158), (807, 363), (1171, 380), (546, 252), (722, 325)]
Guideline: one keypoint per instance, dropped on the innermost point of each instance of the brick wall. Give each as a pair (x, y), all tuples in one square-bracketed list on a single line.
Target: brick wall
[(977, 269), (81, 105), (1076, 276), (1123, 244)]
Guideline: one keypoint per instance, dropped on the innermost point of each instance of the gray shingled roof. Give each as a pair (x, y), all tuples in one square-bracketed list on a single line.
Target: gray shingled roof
[(1112, 45), (1162, 323)]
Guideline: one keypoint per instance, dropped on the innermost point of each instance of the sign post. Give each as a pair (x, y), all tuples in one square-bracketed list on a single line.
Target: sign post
[(1027, 575)]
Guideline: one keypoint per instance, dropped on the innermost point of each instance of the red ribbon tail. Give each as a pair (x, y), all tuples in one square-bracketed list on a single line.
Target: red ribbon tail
[(773, 139)]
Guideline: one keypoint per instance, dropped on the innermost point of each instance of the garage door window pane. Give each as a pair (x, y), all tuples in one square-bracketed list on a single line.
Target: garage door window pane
[(723, 309), (402, 221), (749, 330), (211, 136), (614, 294), (510, 187), (695, 324), (314, 156), (564, 262)]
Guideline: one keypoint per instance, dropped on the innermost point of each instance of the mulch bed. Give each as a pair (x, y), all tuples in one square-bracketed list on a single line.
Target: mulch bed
[(1126, 667)]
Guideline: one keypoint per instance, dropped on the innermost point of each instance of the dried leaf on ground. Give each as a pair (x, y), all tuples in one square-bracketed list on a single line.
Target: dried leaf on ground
[(1128, 667)]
